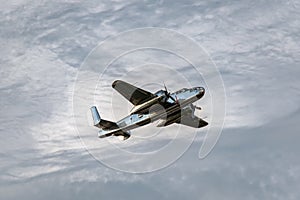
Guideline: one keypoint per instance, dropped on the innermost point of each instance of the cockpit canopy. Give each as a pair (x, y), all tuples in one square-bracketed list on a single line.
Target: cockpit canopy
[(160, 93), (183, 90)]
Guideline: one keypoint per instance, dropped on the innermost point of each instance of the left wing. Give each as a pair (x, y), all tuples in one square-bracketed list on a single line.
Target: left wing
[(133, 94), (194, 121)]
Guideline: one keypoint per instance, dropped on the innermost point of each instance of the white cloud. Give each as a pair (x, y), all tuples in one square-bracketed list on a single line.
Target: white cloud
[(253, 44)]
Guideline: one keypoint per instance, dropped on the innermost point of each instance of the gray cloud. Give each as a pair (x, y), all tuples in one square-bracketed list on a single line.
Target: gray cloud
[(254, 45)]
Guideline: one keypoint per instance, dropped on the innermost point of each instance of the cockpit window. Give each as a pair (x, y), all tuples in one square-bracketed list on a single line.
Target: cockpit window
[(160, 93), (182, 90)]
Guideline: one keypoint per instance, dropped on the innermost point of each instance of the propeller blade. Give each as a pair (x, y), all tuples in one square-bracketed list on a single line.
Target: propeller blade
[(165, 87), (172, 98), (168, 93)]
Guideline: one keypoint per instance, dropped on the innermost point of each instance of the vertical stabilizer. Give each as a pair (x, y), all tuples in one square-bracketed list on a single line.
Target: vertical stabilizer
[(96, 116), (102, 123)]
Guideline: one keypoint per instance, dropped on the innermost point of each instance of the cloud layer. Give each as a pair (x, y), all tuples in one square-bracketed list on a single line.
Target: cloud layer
[(255, 47)]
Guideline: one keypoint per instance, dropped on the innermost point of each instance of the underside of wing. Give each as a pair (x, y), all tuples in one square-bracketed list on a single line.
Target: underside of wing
[(192, 121), (133, 94)]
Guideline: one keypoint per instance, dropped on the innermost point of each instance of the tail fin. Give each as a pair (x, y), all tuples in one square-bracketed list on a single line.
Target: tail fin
[(101, 123), (108, 128), (96, 116)]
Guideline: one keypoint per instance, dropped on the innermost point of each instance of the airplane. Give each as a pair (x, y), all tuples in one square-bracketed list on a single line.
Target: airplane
[(167, 107)]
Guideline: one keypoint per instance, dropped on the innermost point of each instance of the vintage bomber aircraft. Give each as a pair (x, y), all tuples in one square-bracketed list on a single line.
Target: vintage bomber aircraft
[(167, 107)]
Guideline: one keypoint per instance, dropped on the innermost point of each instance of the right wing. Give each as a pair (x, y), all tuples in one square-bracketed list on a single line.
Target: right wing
[(133, 94), (194, 121)]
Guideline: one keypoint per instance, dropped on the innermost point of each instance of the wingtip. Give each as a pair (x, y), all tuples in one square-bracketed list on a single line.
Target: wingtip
[(203, 123)]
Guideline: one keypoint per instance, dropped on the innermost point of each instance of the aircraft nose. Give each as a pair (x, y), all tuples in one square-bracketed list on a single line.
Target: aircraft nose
[(201, 92)]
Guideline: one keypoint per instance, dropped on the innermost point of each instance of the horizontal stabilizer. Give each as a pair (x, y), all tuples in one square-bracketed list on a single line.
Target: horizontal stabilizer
[(103, 133)]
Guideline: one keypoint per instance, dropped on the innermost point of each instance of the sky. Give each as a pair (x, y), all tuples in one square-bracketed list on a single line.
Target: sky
[(255, 47)]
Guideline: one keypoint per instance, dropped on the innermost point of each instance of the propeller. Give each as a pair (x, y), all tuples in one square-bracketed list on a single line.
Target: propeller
[(168, 94)]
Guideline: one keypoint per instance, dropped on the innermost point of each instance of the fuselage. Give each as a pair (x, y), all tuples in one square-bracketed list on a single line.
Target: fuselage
[(162, 107)]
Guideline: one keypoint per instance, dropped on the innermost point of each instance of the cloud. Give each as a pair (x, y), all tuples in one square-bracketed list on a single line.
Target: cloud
[(254, 46)]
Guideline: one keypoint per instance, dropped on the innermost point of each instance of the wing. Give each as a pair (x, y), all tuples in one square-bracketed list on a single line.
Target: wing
[(133, 94), (194, 121)]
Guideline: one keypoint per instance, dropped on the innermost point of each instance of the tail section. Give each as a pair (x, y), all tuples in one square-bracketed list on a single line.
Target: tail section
[(108, 128), (102, 123)]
